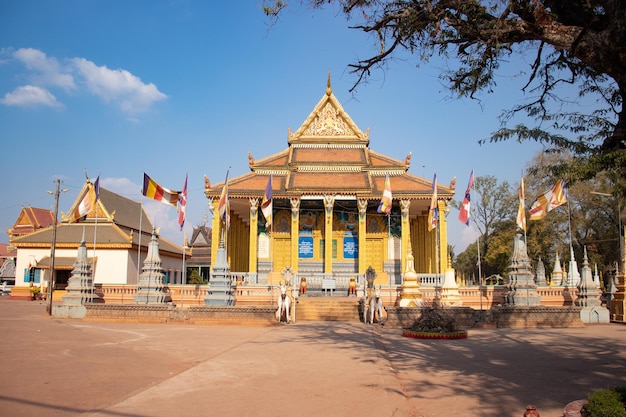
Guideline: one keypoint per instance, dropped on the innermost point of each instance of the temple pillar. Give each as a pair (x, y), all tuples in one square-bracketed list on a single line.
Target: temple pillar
[(362, 205), (253, 232), (295, 232), (404, 209), (329, 201), (215, 227)]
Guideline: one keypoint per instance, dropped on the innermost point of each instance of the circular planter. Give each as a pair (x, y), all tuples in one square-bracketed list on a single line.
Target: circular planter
[(460, 334)]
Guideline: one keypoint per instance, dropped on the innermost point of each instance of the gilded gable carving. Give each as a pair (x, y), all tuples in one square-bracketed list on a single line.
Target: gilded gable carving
[(329, 123)]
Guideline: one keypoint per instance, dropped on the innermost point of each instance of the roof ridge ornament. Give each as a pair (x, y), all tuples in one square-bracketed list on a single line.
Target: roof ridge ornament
[(329, 89)]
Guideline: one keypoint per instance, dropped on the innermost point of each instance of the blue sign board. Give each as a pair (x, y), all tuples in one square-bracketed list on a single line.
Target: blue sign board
[(350, 247), (305, 247)]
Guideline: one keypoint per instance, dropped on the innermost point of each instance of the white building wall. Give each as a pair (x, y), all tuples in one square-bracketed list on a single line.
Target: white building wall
[(113, 266), (26, 258)]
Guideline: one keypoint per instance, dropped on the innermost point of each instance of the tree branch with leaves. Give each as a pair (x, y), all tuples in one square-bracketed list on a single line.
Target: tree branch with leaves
[(575, 43)]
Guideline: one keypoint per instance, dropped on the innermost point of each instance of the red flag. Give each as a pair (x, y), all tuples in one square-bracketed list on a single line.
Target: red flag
[(183, 205), (464, 214)]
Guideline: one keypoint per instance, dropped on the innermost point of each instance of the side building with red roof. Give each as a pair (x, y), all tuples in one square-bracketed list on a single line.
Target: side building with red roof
[(116, 232)]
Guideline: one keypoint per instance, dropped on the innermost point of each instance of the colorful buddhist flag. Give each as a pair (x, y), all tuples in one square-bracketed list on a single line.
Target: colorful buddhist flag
[(433, 212), (267, 205), (521, 210), (182, 205), (223, 206), (154, 191), (89, 200), (387, 198), (464, 213), (548, 201), (96, 188)]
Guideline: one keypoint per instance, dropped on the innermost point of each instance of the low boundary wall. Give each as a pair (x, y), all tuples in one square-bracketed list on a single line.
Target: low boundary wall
[(169, 313), (496, 317)]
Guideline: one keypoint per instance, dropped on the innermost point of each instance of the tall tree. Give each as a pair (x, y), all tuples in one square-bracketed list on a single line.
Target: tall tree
[(576, 43), (492, 209), (589, 219)]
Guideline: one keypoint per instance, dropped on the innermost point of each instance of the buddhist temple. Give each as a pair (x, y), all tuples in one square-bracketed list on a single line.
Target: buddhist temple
[(326, 187), (116, 232), (30, 220)]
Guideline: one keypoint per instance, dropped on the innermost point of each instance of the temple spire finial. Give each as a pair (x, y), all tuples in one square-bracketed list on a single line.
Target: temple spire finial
[(329, 90)]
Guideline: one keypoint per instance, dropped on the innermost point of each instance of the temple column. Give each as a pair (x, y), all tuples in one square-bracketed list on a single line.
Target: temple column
[(215, 228), (254, 219), (295, 232), (404, 209), (329, 201), (362, 205)]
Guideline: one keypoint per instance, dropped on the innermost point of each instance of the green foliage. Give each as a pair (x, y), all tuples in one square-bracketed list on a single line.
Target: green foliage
[(493, 207), (194, 278), (606, 403), (574, 84), (593, 220)]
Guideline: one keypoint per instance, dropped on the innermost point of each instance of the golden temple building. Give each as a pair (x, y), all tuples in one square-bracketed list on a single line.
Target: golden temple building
[(326, 189)]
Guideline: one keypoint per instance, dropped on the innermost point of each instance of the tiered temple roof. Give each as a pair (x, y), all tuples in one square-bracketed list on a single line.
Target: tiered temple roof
[(116, 218), (329, 154)]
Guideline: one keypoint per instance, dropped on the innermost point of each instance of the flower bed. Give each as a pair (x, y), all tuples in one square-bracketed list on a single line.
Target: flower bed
[(459, 334)]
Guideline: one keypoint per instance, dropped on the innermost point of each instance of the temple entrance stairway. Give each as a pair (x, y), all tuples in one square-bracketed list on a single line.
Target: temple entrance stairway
[(328, 309)]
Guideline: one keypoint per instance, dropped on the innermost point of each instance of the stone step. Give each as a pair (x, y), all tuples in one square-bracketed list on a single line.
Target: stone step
[(328, 309)]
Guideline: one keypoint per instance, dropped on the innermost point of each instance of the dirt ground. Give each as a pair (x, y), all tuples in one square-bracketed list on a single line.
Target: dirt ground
[(66, 367)]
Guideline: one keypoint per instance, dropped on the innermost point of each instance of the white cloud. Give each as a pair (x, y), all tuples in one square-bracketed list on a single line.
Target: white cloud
[(48, 70), (30, 96), (118, 86), (121, 186), (469, 235)]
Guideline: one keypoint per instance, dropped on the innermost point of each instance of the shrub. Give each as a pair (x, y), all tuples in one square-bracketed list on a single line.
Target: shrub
[(434, 320), (606, 403)]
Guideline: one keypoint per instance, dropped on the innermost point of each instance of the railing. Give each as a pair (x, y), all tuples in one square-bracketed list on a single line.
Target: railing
[(246, 293)]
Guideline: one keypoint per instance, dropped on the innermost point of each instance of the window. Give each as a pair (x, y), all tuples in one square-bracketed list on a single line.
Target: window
[(32, 275)]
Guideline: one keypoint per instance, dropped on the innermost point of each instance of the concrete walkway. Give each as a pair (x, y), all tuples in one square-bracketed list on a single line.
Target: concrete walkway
[(53, 367)]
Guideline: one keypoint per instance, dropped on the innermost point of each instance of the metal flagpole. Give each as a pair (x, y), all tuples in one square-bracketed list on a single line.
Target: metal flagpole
[(93, 260), (140, 233), (571, 248), (480, 275), (389, 238)]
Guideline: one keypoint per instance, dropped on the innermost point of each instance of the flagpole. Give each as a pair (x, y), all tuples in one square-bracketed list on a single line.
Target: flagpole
[(390, 239), (140, 233), (437, 244), (524, 208), (95, 231), (571, 248), (480, 274), (181, 220)]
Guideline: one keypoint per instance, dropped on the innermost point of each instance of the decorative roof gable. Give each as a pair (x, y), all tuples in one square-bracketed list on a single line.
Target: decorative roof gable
[(328, 123), (111, 208), (328, 154), (31, 219)]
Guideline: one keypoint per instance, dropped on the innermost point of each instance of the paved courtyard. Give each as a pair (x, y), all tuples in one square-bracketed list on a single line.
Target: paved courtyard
[(53, 367)]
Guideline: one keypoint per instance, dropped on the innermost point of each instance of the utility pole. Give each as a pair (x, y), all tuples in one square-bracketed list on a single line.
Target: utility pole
[(53, 246)]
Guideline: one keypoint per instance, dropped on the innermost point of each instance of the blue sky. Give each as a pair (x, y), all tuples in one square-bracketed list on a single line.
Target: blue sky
[(119, 88)]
